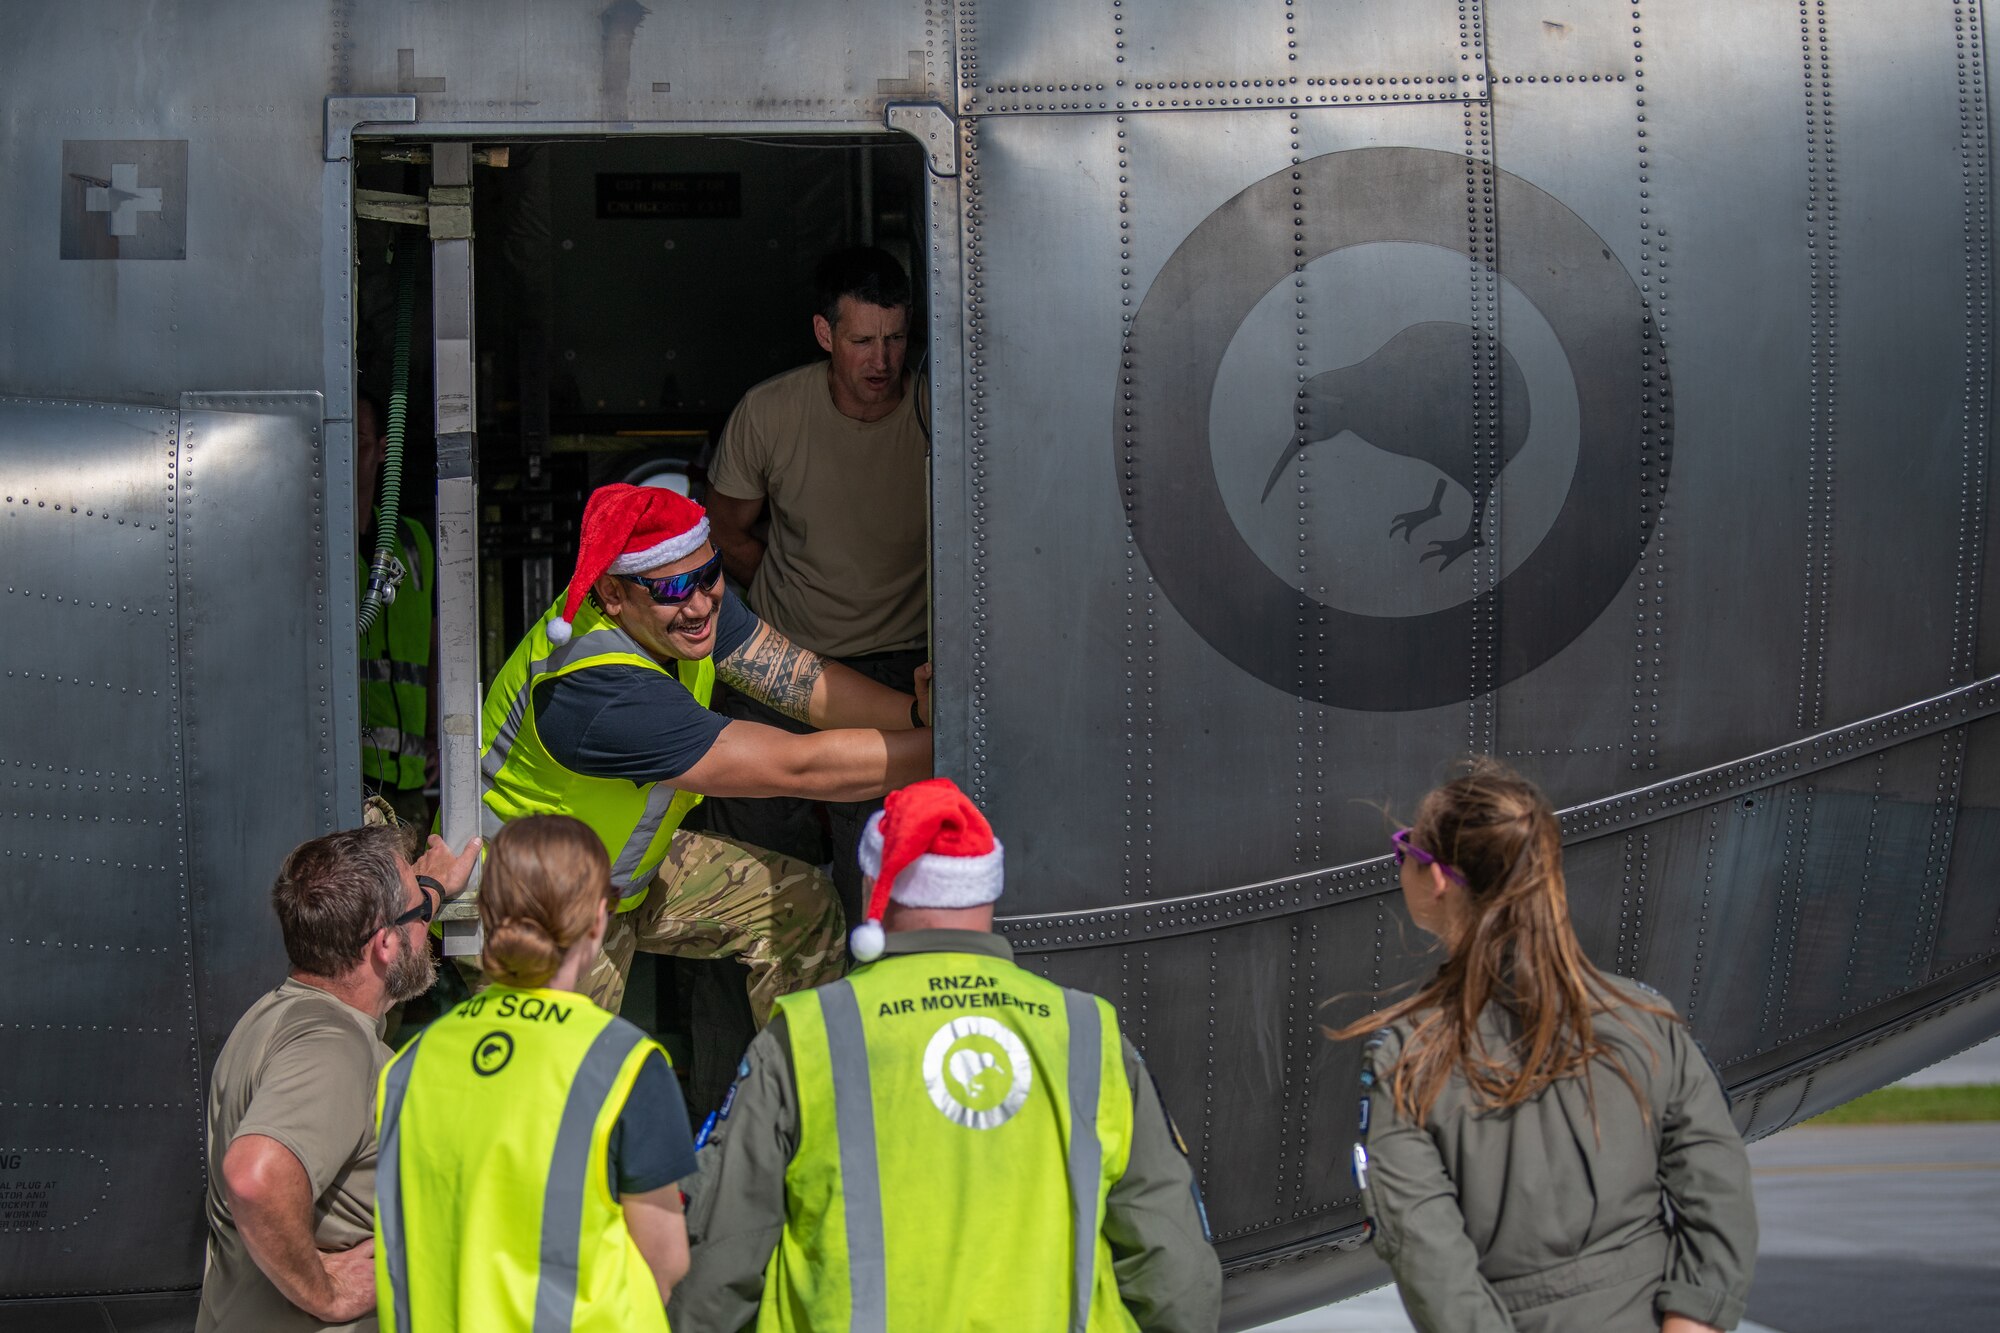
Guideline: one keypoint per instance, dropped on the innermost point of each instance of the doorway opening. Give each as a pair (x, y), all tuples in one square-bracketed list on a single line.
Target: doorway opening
[(627, 292)]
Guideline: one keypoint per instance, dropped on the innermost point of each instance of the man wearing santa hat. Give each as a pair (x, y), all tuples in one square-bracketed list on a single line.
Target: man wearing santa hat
[(943, 1139), (602, 713)]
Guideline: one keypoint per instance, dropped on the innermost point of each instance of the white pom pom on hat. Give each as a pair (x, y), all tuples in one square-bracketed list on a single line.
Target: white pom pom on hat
[(628, 530), (867, 942), (928, 846)]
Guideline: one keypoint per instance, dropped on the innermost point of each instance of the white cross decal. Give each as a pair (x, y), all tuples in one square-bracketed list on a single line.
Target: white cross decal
[(124, 199)]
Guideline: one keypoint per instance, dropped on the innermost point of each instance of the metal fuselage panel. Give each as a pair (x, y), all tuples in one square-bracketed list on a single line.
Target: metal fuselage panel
[(106, 1091), (1322, 393)]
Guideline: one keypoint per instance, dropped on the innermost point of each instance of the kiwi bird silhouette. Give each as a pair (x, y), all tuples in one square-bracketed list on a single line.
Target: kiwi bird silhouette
[(1413, 397)]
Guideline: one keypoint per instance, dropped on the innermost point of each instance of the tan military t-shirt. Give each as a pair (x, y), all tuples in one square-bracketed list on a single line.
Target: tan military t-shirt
[(848, 500), (299, 1068)]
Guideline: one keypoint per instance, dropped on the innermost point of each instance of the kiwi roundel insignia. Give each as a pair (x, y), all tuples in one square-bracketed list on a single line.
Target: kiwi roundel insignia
[(1175, 506), (977, 1072)]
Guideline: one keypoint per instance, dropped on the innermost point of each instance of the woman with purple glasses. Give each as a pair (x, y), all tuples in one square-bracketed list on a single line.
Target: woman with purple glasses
[(1542, 1146)]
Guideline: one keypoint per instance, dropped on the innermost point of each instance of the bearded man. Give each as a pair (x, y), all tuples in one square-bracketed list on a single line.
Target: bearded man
[(291, 1126)]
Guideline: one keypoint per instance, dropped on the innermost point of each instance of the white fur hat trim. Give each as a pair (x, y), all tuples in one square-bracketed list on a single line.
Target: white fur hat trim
[(668, 551)]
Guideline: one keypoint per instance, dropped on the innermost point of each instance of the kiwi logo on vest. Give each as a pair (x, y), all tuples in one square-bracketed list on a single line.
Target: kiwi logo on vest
[(977, 1072), (491, 1053)]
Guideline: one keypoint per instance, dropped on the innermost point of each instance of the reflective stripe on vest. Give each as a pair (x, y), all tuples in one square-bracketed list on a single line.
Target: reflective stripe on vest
[(923, 1082), (1085, 1152), (569, 1175), (626, 858), (391, 1247), (381, 670), (518, 776), (860, 1180), (392, 741), (395, 671), (597, 643), (578, 1242)]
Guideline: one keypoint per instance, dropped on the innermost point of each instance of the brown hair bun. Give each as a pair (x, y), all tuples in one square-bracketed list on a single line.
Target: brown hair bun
[(520, 952)]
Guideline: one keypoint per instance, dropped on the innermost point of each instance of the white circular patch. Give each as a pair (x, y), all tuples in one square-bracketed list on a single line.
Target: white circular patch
[(977, 1072)]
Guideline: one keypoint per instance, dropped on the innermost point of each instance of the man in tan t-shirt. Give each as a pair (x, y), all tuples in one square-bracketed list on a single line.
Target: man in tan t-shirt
[(291, 1138), (835, 457)]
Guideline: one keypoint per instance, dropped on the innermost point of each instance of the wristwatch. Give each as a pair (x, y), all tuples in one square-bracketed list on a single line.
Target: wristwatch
[(916, 715)]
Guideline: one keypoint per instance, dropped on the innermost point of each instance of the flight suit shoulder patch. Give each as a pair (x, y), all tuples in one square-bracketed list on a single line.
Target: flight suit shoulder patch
[(1373, 1060)]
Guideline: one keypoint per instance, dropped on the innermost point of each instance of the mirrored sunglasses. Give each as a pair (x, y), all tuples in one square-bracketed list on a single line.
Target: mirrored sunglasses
[(677, 588)]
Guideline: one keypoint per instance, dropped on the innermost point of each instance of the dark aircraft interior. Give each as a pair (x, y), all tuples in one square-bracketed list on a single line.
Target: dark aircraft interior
[(627, 293)]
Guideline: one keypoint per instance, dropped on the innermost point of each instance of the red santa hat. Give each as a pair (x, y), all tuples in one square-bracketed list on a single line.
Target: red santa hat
[(928, 846), (629, 530)]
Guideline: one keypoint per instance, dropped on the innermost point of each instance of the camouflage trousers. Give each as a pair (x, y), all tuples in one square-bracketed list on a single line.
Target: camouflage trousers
[(713, 898)]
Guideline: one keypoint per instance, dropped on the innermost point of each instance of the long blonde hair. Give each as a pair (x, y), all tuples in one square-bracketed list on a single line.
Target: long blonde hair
[(545, 877), (1516, 948)]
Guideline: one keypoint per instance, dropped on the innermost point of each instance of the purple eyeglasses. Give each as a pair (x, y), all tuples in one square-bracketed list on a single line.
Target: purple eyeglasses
[(1400, 840)]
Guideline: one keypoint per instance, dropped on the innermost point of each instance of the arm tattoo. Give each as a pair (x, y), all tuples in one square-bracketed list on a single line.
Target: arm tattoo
[(773, 670)]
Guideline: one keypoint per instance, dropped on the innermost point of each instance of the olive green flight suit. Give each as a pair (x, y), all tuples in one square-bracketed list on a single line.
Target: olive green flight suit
[(1539, 1218), (1168, 1274)]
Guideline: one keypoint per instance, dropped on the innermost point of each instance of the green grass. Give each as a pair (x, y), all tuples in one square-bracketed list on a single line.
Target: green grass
[(1907, 1106)]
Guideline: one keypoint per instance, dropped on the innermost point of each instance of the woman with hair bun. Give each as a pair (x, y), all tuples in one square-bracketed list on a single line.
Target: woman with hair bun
[(1543, 1146), (530, 1141)]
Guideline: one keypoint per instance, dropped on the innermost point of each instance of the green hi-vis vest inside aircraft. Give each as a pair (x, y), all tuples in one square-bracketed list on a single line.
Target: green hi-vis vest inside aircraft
[(636, 821), (961, 1122), (493, 1203), (395, 669)]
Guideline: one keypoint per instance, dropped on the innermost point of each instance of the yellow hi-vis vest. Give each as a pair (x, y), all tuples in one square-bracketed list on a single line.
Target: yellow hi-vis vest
[(517, 775), (395, 668), (961, 1122), (493, 1204)]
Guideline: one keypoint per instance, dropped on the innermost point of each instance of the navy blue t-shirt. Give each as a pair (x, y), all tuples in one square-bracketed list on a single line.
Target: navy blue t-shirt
[(651, 1147), (628, 722)]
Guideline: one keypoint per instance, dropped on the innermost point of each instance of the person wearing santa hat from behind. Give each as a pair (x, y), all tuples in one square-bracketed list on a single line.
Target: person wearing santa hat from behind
[(602, 713), (943, 1139)]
